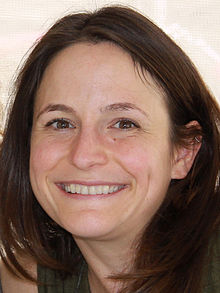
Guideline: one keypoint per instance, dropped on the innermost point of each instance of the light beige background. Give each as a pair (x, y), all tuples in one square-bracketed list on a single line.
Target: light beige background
[(193, 24)]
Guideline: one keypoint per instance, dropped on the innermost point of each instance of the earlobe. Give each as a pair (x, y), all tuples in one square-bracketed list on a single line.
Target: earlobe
[(184, 156)]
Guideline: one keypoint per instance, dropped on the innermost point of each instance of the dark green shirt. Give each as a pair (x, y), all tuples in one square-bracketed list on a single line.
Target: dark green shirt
[(81, 285), (72, 284), (212, 281)]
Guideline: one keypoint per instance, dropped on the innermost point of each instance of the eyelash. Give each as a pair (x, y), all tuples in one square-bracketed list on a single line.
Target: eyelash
[(125, 122), (59, 120)]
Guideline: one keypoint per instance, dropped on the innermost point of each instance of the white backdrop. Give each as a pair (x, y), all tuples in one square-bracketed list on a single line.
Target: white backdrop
[(193, 24)]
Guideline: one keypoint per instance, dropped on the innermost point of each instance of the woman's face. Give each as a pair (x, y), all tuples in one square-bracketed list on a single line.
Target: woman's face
[(100, 161)]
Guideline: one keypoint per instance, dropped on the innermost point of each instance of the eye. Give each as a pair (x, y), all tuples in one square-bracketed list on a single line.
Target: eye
[(60, 124), (125, 124)]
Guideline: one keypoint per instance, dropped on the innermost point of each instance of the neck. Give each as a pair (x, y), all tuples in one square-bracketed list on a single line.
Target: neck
[(105, 259)]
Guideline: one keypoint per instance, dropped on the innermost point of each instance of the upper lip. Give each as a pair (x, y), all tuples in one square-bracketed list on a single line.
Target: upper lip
[(90, 183)]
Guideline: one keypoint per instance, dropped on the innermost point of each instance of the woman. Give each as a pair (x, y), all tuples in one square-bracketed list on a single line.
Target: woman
[(111, 161)]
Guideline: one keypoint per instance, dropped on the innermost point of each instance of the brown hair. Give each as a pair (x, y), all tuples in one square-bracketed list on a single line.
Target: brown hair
[(1, 121), (171, 252)]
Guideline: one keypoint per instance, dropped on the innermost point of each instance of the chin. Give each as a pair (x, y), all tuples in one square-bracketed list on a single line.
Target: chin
[(88, 225)]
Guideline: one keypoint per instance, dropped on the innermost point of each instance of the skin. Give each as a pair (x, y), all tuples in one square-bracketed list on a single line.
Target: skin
[(95, 143), (10, 284), (94, 150)]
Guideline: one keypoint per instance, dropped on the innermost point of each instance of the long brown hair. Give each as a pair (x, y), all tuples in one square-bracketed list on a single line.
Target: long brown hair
[(171, 253), (1, 120)]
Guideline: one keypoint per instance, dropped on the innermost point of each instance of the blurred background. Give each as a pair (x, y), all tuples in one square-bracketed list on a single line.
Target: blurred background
[(194, 25)]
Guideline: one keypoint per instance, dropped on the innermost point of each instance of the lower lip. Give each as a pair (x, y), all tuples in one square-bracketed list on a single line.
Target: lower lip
[(91, 196)]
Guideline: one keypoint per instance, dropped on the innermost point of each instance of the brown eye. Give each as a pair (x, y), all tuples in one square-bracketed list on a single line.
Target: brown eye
[(125, 124), (60, 124)]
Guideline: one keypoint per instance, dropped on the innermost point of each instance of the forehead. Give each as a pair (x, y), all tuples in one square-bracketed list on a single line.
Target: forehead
[(102, 69)]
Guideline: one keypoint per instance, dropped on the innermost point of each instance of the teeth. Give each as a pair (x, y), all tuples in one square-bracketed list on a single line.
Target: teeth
[(114, 188), (111, 189), (72, 188), (105, 189), (77, 188), (98, 189), (92, 190), (67, 188), (84, 190)]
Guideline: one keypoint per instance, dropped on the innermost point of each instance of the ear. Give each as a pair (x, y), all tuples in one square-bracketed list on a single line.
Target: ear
[(184, 155)]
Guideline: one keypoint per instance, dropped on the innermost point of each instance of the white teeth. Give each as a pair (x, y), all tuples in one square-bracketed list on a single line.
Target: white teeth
[(67, 188), (77, 188), (72, 188), (84, 190), (92, 190), (111, 189), (98, 189), (105, 189), (115, 188)]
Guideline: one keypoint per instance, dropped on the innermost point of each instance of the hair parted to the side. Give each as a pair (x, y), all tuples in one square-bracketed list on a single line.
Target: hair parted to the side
[(171, 253)]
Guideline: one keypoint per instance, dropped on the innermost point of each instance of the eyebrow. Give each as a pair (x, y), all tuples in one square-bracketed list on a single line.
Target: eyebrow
[(56, 107), (116, 107), (123, 107)]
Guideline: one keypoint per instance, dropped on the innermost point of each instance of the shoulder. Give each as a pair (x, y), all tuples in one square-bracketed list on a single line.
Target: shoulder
[(12, 284)]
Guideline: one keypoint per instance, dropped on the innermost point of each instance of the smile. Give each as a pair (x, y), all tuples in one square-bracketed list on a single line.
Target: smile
[(91, 189)]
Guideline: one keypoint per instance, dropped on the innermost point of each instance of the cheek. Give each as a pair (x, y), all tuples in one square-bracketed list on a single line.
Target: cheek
[(144, 157), (45, 154), (132, 154)]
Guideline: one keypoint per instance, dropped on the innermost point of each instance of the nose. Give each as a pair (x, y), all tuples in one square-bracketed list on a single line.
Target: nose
[(87, 150)]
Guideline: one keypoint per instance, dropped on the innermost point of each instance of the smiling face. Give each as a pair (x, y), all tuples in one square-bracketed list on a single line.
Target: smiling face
[(100, 161)]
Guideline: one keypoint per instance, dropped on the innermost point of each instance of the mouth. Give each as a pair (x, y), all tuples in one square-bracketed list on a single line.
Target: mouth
[(82, 189)]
